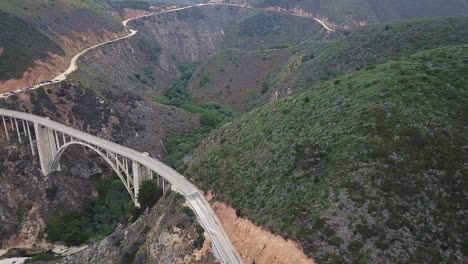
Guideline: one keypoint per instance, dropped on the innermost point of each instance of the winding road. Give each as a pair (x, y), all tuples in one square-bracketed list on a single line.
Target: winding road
[(73, 63), (223, 247)]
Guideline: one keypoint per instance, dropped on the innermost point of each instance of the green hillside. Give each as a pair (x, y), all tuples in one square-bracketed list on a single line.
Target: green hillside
[(373, 11), (33, 28), (58, 10), (369, 46), (22, 44), (369, 167)]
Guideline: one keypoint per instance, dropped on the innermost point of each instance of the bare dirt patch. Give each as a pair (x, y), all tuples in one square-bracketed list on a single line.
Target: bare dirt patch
[(255, 244)]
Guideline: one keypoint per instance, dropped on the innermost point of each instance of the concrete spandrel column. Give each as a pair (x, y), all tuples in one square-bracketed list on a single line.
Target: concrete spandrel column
[(5, 126), (136, 181), (145, 174), (52, 142), (44, 148)]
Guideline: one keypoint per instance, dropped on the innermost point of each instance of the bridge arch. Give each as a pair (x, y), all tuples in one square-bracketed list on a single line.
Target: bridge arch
[(49, 139), (113, 162)]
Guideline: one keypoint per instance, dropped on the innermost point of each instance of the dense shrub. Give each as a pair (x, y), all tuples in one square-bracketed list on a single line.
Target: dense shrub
[(149, 194), (213, 116), (177, 94), (98, 218), (204, 80), (262, 24), (379, 153)]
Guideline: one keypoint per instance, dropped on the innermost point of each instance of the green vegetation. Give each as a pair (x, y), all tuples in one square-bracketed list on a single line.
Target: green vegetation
[(374, 158), (204, 80), (177, 94), (262, 24), (142, 5), (149, 194), (98, 218), (307, 57), (373, 45), (22, 44), (213, 116), (342, 11), (145, 77), (43, 257)]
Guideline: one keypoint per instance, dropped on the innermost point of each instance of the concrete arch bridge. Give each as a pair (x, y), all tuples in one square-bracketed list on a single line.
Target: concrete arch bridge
[(49, 139)]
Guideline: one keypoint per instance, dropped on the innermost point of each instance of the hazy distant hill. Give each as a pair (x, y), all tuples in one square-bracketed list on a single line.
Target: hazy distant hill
[(372, 11)]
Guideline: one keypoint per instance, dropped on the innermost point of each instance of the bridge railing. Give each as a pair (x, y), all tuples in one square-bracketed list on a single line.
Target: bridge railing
[(48, 140)]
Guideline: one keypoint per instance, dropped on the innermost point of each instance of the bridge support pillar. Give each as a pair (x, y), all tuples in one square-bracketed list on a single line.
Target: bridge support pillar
[(136, 181), (140, 174), (46, 147), (5, 126)]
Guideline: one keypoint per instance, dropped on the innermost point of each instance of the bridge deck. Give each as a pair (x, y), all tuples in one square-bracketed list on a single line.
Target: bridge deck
[(221, 243)]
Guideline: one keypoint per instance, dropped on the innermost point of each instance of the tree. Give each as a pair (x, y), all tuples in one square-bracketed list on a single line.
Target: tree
[(149, 194)]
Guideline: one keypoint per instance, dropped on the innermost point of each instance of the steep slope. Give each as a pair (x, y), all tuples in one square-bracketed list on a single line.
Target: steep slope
[(365, 47), (354, 12), (46, 33), (29, 197), (368, 167), (167, 233), (236, 78), (255, 48), (22, 43), (164, 42)]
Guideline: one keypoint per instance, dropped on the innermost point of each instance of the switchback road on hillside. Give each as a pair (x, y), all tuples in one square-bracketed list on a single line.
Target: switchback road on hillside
[(73, 63), (221, 243)]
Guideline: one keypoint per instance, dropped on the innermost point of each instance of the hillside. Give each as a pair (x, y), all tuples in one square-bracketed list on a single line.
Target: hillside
[(40, 35), (254, 50), (371, 11), (354, 146), (365, 47), (368, 167), (22, 44), (165, 61)]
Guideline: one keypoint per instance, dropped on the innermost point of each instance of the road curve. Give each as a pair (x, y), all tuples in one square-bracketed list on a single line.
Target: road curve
[(205, 214), (221, 243), (73, 63)]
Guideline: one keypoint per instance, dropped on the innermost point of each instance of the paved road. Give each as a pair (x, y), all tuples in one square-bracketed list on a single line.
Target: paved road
[(203, 210), (73, 63), (221, 243)]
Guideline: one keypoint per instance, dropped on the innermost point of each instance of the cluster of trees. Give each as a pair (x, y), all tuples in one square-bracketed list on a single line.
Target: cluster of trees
[(100, 215)]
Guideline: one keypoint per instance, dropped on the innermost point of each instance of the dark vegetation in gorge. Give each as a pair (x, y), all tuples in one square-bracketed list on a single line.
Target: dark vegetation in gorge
[(100, 215)]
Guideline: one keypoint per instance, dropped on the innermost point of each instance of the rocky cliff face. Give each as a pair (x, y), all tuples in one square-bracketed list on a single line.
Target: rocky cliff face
[(28, 196), (147, 62), (24, 201), (112, 96), (168, 233), (57, 30)]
